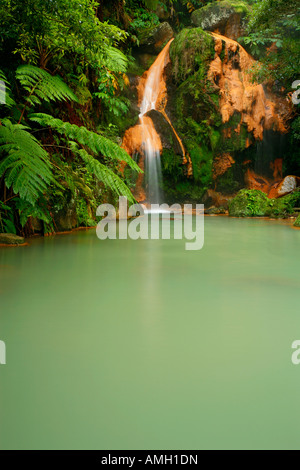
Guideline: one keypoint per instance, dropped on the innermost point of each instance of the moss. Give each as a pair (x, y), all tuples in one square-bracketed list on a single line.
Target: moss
[(284, 206), (175, 183), (252, 203), (11, 239), (184, 191), (192, 49), (249, 203), (297, 222), (172, 167), (229, 183), (202, 160)]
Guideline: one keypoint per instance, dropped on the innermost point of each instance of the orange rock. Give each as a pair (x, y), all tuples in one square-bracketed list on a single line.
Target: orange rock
[(255, 181), (239, 94), (221, 164)]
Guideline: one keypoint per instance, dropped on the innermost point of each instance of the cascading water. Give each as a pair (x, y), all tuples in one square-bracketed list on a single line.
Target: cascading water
[(153, 89), (143, 138)]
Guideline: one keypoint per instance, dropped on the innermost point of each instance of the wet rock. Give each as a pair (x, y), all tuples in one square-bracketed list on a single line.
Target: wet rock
[(167, 135), (154, 39), (11, 239), (287, 186), (66, 219), (229, 18), (216, 211), (216, 199)]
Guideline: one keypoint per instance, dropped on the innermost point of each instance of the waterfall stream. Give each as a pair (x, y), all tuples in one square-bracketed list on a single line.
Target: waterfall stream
[(152, 90)]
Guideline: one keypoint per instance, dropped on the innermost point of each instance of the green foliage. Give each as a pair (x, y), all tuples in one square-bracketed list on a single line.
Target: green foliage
[(104, 174), (249, 203), (95, 142), (41, 86), (297, 221), (202, 160), (278, 23), (172, 167), (7, 219), (5, 92), (253, 203), (283, 207), (25, 165)]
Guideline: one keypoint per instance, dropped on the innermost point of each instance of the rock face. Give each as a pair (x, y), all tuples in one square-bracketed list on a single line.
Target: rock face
[(153, 40), (11, 239), (66, 220), (167, 135), (221, 114), (228, 18)]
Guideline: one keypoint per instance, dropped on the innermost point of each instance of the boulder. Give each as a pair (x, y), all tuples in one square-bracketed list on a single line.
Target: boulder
[(228, 17), (11, 239), (153, 40), (287, 186), (167, 134)]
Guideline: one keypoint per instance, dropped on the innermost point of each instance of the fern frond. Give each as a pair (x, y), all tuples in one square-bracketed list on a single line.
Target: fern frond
[(95, 142), (25, 165), (115, 60), (41, 86), (5, 92), (104, 174)]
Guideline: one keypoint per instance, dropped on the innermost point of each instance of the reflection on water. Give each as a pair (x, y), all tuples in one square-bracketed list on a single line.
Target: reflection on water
[(141, 344)]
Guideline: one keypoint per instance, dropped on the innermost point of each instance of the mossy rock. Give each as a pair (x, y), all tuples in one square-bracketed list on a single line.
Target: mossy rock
[(192, 49), (228, 17), (249, 203), (153, 40), (11, 239), (297, 222), (253, 203)]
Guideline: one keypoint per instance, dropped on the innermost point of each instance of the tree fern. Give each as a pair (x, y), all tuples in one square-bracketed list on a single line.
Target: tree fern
[(25, 165), (95, 142), (104, 174), (42, 86)]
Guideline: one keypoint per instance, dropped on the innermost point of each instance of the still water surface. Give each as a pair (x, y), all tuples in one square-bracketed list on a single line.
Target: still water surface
[(143, 345)]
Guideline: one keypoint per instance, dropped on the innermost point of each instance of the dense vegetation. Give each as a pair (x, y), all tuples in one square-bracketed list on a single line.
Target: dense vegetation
[(65, 65)]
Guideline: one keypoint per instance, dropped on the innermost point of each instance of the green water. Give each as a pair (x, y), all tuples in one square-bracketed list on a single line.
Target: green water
[(142, 345)]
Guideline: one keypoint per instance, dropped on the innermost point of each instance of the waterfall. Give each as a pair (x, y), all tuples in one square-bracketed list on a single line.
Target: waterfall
[(152, 90), (143, 138)]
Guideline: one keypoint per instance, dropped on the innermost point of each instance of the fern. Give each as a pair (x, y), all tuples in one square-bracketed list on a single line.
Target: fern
[(104, 174), (95, 142), (42, 86), (5, 92), (115, 60), (25, 165)]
